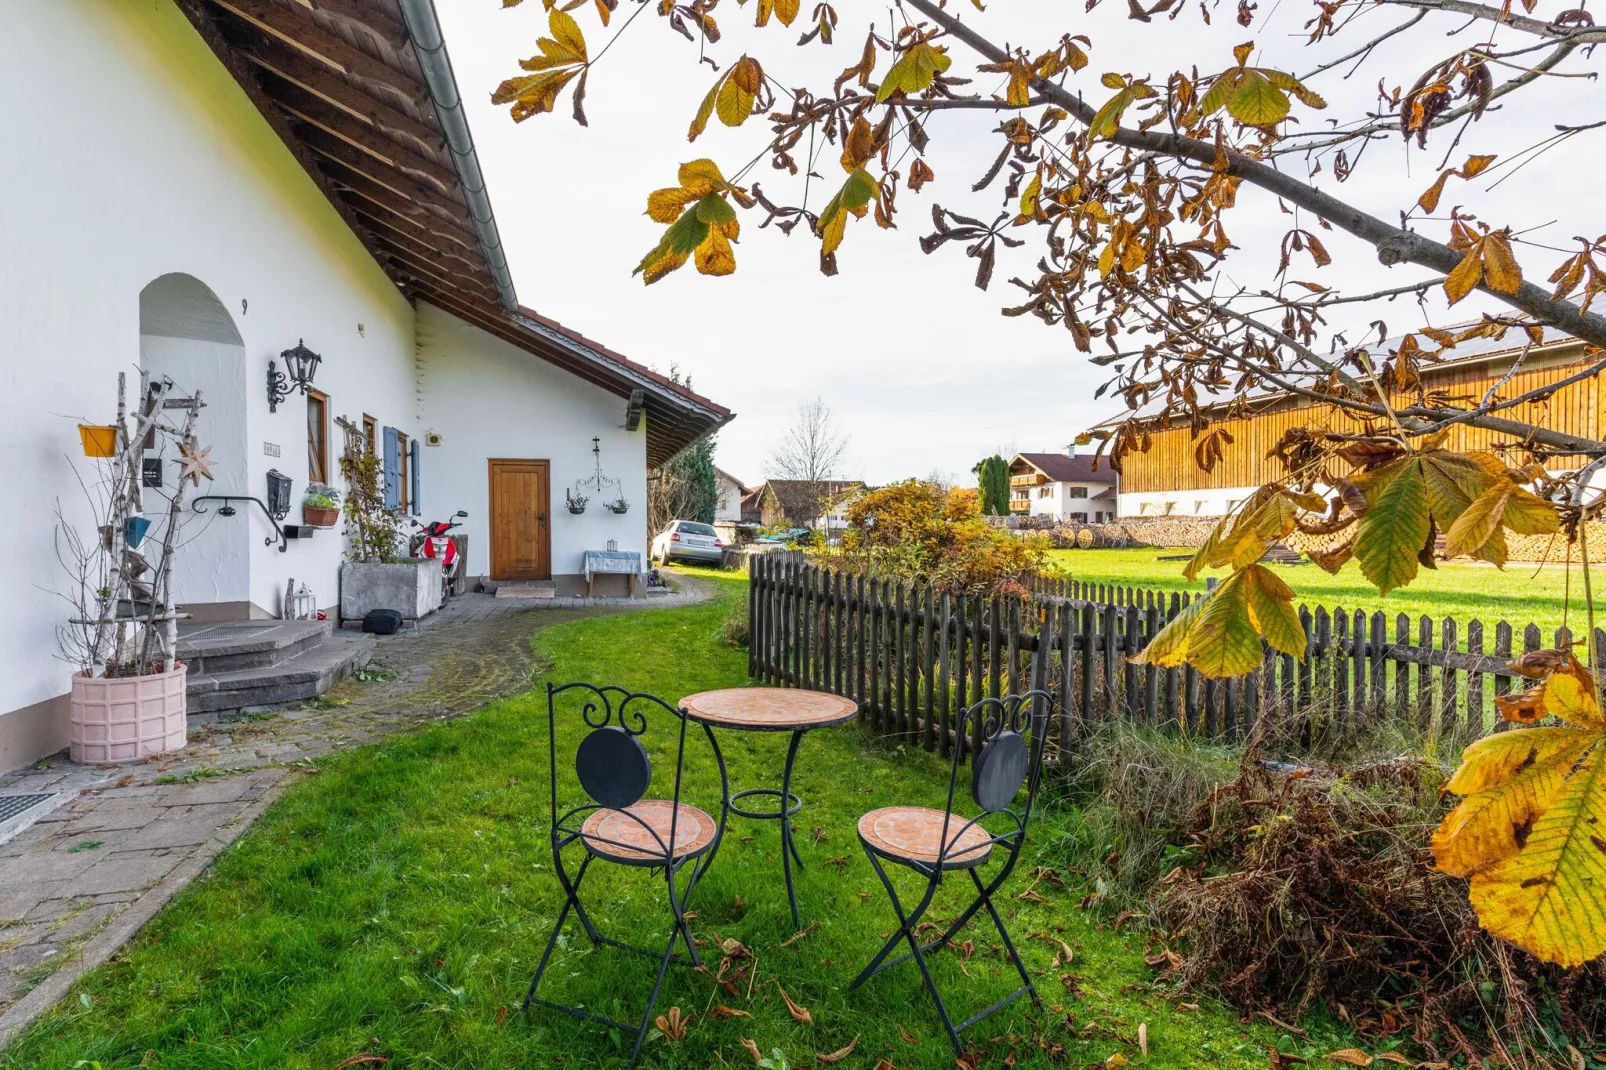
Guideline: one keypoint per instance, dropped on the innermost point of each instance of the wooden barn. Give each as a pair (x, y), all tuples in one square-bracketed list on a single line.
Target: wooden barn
[(1165, 480)]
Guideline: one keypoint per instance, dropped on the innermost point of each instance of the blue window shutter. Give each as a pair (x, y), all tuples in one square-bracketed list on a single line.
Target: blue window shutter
[(392, 468), (414, 472)]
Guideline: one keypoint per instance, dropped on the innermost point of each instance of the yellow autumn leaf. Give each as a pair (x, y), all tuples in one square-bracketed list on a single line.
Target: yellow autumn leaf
[(1531, 829), (784, 11), (1503, 505), (1350, 1057), (914, 71), (1500, 267), (567, 33), (1220, 635), (1465, 276)]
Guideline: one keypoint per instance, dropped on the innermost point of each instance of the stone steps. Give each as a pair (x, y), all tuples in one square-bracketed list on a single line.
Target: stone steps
[(227, 646), (296, 679), (243, 664)]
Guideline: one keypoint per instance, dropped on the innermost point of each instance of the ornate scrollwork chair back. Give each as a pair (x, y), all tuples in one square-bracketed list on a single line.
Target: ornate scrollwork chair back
[(602, 804), (1005, 739)]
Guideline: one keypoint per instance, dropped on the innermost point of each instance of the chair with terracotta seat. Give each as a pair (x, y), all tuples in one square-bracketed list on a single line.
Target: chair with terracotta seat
[(934, 842), (618, 823)]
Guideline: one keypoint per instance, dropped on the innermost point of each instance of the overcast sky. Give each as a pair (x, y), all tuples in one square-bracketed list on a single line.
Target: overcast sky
[(921, 368)]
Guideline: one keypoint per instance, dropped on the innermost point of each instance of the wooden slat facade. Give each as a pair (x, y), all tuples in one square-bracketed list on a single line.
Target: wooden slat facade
[(1168, 464)]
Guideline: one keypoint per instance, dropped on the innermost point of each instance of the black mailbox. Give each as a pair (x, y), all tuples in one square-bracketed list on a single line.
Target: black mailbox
[(278, 493)]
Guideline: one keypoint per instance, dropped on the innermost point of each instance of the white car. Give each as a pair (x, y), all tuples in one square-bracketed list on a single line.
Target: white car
[(687, 540)]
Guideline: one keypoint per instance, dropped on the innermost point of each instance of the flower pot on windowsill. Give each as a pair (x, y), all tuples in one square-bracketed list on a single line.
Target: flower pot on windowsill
[(320, 518), (126, 718)]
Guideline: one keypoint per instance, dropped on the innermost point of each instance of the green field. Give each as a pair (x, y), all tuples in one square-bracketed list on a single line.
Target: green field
[(1520, 594), (393, 906)]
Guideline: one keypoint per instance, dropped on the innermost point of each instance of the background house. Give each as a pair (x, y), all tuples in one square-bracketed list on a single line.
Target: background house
[(805, 503), (1165, 481), (304, 174), (1064, 486), (731, 491)]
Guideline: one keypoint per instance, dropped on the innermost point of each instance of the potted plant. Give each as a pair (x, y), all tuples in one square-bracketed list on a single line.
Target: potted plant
[(128, 694), (619, 506), (576, 502), (320, 507), (374, 575)]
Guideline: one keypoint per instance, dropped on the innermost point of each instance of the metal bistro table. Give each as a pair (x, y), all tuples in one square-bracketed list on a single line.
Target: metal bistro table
[(768, 709)]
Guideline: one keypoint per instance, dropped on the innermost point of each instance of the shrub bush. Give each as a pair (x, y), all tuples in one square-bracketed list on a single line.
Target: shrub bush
[(735, 628), (918, 530)]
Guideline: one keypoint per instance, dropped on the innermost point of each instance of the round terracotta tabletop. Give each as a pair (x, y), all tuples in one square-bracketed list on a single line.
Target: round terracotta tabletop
[(769, 709)]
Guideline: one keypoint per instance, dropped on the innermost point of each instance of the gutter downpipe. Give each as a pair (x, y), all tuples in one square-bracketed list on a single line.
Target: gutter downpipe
[(429, 46)]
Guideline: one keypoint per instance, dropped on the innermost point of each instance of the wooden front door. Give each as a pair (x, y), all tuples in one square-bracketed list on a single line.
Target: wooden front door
[(521, 541)]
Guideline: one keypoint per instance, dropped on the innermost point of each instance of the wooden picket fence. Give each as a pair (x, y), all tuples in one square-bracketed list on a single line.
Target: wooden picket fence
[(912, 658)]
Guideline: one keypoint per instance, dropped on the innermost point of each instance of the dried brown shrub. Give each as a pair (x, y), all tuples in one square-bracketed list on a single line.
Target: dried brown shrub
[(1315, 886)]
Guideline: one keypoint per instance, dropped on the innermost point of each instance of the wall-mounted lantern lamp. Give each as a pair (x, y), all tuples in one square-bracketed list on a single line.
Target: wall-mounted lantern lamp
[(302, 364)]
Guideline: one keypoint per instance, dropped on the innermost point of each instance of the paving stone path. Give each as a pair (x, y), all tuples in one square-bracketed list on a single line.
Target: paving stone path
[(82, 880)]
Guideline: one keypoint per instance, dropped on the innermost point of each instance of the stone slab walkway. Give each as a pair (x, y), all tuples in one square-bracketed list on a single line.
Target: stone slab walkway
[(80, 882)]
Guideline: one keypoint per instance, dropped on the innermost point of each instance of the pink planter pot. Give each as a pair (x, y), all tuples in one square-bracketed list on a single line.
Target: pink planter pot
[(127, 717)]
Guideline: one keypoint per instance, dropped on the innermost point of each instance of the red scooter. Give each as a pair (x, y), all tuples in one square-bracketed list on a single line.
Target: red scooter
[(437, 545)]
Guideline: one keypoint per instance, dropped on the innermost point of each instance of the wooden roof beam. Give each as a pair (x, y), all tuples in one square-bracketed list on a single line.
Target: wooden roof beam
[(293, 65), (443, 275), (375, 22), (387, 229), (201, 16), (398, 182), (298, 29), (311, 108), (370, 196)]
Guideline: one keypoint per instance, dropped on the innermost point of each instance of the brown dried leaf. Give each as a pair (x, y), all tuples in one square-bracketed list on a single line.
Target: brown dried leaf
[(752, 1049), (722, 1011), (799, 1014), (836, 1056)]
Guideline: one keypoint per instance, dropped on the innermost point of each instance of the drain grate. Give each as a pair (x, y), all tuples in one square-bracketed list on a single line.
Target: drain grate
[(16, 805)]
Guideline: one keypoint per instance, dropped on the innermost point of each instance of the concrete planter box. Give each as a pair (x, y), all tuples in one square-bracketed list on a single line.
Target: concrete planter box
[(413, 588), (125, 718)]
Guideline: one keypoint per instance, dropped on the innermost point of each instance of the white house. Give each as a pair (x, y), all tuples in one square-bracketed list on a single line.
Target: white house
[(1063, 486), (192, 189), (728, 507)]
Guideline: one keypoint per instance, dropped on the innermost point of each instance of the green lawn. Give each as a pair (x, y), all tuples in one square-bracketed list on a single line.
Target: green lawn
[(1520, 594), (395, 904)]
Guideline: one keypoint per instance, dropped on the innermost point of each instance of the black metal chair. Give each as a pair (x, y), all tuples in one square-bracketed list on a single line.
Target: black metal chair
[(620, 824), (934, 842)]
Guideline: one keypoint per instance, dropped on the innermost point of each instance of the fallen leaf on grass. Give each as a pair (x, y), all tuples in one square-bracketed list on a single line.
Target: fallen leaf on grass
[(836, 1056), (1032, 897), (501, 1014), (1116, 1059), (1399, 1060), (752, 1049), (908, 1037), (1350, 1057), (883, 1064), (1187, 1006), (1278, 1060), (366, 1058), (734, 949), (799, 1014), (801, 933), (723, 1011), (1143, 1039), (671, 1025)]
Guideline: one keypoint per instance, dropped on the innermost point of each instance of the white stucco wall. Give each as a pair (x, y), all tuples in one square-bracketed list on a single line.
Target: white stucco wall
[(1183, 503), (214, 561), (729, 506), (488, 399), (1058, 503), (170, 170)]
